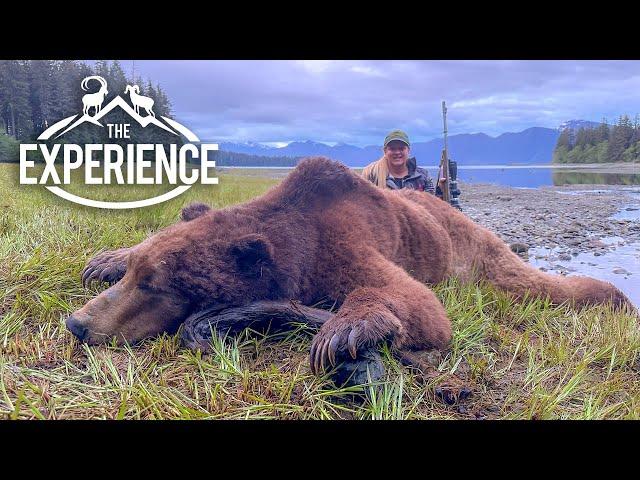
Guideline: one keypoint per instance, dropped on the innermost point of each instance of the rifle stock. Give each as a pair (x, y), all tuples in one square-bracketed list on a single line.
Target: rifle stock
[(444, 169)]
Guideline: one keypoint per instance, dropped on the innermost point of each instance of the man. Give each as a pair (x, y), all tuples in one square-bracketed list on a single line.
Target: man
[(395, 169)]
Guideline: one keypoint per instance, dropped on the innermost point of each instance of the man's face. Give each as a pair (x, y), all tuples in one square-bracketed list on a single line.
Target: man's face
[(397, 153)]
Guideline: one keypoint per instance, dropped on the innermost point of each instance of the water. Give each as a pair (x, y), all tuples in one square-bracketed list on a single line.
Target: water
[(620, 267), (520, 176), (534, 176), (630, 211)]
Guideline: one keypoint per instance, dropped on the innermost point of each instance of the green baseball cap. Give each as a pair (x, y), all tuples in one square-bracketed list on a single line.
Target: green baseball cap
[(397, 135)]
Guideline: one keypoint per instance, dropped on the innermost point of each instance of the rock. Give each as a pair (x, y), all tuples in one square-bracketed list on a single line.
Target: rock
[(565, 257), (621, 271), (354, 372), (519, 247)]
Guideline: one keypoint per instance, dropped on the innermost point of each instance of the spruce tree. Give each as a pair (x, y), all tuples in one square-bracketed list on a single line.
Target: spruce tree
[(162, 102), (43, 93), (618, 140), (150, 91), (117, 80), (563, 140), (602, 134), (102, 69), (581, 137), (14, 98)]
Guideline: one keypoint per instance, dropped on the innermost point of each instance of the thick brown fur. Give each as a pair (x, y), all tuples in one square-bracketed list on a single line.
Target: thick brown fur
[(322, 233)]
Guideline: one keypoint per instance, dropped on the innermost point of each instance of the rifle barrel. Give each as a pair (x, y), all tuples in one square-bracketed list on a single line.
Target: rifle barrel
[(446, 191)]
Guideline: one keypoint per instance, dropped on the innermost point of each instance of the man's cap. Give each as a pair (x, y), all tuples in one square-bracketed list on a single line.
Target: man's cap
[(397, 135)]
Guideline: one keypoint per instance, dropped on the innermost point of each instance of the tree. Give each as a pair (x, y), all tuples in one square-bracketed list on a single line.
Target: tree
[(620, 139), (67, 77), (635, 137), (117, 80), (602, 132), (150, 91), (102, 69), (43, 92), (581, 137), (140, 83), (563, 140), (162, 102), (14, 98)]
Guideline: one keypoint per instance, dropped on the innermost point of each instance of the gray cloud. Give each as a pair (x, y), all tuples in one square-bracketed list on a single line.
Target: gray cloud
[(359, 101)]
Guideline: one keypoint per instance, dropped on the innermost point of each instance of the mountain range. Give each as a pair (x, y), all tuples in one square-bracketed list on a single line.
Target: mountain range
[(531, 146)]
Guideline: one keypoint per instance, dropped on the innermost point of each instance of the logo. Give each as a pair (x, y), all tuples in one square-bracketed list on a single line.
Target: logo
[(123, 163)]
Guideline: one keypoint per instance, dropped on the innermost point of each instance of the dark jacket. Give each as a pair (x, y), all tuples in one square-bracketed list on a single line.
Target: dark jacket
[(417, 179)]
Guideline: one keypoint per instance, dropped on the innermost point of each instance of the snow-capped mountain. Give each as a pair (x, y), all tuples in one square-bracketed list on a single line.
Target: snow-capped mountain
[(576, 125)]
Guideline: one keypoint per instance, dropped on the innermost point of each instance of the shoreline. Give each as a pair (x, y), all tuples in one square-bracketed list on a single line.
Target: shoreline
[(569, 216), (591, 230)]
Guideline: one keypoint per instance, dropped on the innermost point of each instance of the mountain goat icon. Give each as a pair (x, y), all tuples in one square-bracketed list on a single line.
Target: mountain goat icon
[(96, 99), (140, 100)]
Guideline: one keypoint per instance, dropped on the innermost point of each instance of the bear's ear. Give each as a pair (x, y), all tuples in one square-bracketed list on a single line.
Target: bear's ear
[(193, 210), (252, 253)]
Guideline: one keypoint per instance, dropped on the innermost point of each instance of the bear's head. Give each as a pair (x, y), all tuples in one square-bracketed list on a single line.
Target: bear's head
[(216, 259)]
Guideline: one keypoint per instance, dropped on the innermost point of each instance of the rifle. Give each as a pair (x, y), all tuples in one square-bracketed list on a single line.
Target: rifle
[(448, 169)]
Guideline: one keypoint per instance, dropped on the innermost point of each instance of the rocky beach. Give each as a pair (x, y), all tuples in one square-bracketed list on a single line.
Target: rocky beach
[(588, 229), (573, 218)]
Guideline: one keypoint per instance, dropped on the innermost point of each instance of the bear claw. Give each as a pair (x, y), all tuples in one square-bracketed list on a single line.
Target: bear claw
[(107, 267), (332, 345)]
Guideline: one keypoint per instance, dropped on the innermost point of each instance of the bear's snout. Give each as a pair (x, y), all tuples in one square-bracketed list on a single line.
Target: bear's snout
[(76, 327)]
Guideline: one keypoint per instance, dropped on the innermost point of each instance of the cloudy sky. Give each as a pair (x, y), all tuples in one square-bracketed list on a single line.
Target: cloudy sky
[(358, 102)]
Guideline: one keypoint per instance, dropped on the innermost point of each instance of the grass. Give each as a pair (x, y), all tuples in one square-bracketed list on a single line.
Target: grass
[(521, 360)]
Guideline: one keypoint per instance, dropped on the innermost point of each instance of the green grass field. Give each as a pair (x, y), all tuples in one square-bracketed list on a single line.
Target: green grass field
[(520, 360)]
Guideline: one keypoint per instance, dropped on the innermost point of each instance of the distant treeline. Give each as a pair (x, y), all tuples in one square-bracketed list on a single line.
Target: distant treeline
[(233, 159), (601, 144), (562, 177), (34, 94)]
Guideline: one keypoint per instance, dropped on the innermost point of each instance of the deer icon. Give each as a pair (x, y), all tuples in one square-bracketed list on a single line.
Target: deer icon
[(93, 99), (140, 100)]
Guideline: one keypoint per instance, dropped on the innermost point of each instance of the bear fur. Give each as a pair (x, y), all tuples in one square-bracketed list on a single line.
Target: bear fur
[(323, 234)]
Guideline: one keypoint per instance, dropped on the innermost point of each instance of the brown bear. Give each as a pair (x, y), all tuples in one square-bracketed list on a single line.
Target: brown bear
[(322, 233)]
